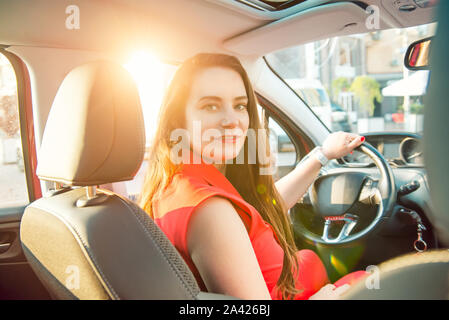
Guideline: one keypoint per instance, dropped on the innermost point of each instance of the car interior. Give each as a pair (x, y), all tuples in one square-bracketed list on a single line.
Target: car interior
[(72, 167)]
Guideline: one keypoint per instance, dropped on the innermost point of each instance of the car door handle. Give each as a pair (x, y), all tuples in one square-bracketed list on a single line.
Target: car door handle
[(4, 247)]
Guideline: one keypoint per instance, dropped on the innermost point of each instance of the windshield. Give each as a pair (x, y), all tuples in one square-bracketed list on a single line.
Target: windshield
[(358, 83)]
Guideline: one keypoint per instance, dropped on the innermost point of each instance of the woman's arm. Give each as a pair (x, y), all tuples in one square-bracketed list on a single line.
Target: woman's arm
[(294, 185), (220, 247)]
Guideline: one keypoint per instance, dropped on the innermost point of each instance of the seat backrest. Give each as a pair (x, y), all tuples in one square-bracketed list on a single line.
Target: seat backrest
[(85, 243), (436, 128), (112, 250), (415, 276)]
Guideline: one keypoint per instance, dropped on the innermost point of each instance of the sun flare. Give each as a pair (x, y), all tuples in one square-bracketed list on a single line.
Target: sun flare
[(151, 77)]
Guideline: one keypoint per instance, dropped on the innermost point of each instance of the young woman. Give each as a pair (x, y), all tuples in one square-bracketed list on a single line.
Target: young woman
[(214, 199)]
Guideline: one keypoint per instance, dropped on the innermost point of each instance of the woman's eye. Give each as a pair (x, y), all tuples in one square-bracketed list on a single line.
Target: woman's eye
[(240, 107), (210, 107)]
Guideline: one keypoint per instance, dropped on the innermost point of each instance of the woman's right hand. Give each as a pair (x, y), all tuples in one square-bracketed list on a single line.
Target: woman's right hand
[(330, 292)]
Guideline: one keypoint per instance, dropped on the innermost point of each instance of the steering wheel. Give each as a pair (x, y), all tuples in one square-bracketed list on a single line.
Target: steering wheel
[(333, 196)]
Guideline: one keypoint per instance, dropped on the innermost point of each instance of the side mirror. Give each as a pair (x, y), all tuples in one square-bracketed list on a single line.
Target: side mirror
[(417, 55)]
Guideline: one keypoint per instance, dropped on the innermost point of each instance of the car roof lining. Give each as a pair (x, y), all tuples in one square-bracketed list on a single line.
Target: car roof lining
[(178, 29)]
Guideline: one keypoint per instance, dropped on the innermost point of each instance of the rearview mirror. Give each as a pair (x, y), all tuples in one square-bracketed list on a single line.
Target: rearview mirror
[(417, 55)]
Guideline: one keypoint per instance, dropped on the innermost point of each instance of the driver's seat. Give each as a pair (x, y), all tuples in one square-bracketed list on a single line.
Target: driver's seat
[(425, 275), (87, 243)]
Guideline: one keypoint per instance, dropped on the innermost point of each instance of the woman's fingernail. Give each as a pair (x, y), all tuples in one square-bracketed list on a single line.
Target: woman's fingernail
[(362, 139)]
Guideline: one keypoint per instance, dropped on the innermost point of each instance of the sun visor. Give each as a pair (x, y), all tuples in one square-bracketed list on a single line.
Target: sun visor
[(313, 24)]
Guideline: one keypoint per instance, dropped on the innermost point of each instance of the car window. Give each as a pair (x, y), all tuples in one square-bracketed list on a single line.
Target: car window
[(152, 78), (283, 148), (358, 83), (313, 97), (13, 185)]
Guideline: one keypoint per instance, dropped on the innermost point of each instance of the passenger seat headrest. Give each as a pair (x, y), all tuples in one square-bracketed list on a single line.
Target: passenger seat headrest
[(95, 130)]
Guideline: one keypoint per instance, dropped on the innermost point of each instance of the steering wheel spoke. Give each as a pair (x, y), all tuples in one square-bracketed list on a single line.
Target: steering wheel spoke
[(370, 193), (350, 221)]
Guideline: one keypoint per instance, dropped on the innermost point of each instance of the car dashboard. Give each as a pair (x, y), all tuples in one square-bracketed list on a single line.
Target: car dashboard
[(400, 150)]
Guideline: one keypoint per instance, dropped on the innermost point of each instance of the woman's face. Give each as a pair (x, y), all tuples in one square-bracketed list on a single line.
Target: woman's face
[(217, 117)]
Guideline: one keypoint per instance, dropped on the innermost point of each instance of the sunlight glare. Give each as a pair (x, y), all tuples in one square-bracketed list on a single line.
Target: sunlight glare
[(338, 265), (151, 79)]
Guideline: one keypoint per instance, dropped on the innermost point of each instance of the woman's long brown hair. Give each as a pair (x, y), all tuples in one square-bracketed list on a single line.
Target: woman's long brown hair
[(256, 189)]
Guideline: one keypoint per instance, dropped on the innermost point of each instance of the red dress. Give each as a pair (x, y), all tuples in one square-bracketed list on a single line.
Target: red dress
[(197, 182)]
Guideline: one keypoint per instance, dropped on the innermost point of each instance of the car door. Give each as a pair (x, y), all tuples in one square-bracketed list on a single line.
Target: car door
[(18, 184)]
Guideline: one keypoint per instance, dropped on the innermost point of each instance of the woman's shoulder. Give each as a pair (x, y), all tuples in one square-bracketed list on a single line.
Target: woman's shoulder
[(173, 207), (183, 191)]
